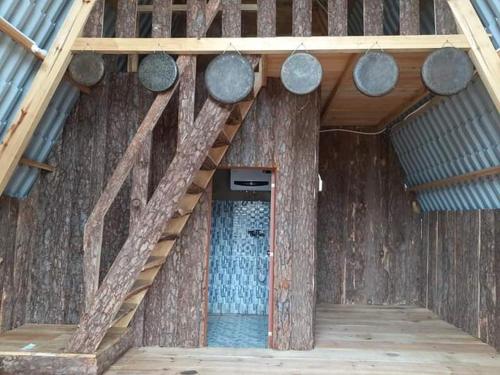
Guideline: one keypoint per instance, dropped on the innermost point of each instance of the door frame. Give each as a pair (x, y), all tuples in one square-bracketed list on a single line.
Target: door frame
[(272, 251)]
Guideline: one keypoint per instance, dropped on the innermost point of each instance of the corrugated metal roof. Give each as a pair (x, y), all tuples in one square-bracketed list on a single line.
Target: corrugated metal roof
[(40, 20), (459, 135), (489, 11)]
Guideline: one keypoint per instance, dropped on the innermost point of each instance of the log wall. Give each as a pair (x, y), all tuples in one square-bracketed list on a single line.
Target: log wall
[(461, 273), (368, 236)]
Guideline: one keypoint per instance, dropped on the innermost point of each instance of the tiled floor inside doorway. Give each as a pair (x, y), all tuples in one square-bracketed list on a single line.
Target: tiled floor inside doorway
[(237, 331)]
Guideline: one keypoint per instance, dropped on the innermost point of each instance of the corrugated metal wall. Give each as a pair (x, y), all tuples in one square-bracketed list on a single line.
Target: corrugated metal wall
[(40, 20), (460, 134)]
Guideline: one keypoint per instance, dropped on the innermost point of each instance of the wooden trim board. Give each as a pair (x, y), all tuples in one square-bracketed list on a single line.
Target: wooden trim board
[(269, 46)]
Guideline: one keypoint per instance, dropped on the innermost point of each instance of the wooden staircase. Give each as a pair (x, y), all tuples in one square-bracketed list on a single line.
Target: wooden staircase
[(174, 227)]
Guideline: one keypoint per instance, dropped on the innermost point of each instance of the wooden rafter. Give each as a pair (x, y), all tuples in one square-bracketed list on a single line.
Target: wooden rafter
[(270, 46), (20, 38), (47, 79), (481, 51), (344, 76), (455, 180)]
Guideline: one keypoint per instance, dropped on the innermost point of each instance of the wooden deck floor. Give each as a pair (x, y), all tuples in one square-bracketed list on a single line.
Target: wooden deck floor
[(349, 340)]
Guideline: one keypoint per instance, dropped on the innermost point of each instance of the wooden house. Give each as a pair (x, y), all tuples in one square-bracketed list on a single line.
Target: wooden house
[(329, 232)]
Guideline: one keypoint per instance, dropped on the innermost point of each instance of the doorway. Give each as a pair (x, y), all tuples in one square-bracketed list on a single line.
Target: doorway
[(240, 259)]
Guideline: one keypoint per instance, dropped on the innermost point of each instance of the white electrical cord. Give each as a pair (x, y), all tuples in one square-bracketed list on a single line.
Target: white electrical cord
[(352, 131)]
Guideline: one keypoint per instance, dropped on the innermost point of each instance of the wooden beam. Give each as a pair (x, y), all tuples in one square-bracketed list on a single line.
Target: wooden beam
[(455, 180), (302, 18), (183, 8), (162, 18), (409, 17), (270, 46), (266, 18), (482, 52), (443, 18), (18, 36), (373, 17), (126, 27), (45, 83), (344, 76), (93, 232), (337, 17), (36, 164)]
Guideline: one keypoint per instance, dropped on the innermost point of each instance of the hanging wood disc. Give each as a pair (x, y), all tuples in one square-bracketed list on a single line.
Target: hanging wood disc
[(301, 73), (447, 71), (157, 72), (376, 73), (229, 78), (87, 68)]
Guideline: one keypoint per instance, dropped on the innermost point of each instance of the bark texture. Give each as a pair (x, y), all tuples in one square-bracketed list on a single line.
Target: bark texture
[(409, 17), (462, 272), (337, 17), (373, 17), (443, 18), (368, 236)]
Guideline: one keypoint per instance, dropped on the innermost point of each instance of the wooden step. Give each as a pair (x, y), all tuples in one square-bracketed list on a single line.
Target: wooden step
[(163, 248), (214, 157), (154, 261), (200, 182), (125, 309), (138, 286), (245, 107), (187, 204), (174, 227), (235, 117)]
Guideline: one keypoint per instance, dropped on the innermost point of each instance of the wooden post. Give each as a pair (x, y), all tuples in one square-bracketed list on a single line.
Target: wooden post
[(162, 18), (443, 18), (195, 24), (126, 26), (142, 239), (302, 18), (92, 239), (231, 18), (266, 18), (337, 17), (409, 17), (373, 17), (95, 22)]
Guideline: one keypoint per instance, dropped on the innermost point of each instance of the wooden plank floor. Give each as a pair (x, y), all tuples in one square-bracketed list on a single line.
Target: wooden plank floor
[(349, 340), (40, 349)]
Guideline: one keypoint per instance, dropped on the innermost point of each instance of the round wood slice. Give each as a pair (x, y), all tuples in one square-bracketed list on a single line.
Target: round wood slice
[(301, 73), (376, 73), (86, 68), (229, 78), (157, 72), (447, 71)]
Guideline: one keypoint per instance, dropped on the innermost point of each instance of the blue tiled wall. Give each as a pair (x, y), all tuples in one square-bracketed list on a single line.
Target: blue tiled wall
[(239, 264)]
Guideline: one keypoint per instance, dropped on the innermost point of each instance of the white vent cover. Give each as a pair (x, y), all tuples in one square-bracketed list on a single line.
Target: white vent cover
[(250, 180)]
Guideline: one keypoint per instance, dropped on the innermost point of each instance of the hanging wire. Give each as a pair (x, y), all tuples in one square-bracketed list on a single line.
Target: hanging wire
[(353, 131)]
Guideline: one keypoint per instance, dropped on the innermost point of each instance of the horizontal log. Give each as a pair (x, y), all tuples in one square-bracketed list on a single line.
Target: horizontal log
[(269, 46), (457, 179), (145, 8)]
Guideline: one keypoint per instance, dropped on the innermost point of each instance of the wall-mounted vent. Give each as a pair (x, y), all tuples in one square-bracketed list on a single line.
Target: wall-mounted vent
[(250, 180)]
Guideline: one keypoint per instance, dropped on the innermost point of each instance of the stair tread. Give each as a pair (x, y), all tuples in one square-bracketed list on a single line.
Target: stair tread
[(138, 286), (154, 261), (125, 308)]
